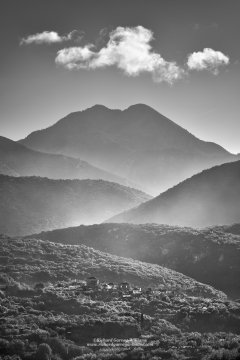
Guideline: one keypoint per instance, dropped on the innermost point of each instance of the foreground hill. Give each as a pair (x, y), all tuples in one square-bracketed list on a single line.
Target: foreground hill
[(208, 198), (18, 160), (138, 143), (209, 255), (33, 260), (33, 204), (64, 318)]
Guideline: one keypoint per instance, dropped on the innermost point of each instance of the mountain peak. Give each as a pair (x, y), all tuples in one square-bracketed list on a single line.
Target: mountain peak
[(95, 109), (140, 107), (134, 107), (138, 143), (98, 107)]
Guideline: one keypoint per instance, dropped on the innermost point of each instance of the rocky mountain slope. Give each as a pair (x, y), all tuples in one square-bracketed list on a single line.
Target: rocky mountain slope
[(138, 143), (211, 197), (33, 204)]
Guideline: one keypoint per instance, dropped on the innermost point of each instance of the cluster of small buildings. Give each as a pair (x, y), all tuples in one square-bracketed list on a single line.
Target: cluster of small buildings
[(104, 291), (92, 283), (107, 291)]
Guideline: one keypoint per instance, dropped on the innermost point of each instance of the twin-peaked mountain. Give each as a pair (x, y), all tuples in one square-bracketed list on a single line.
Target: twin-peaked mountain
[(211, 197), (18, 160), (138, 143), (33, 204)]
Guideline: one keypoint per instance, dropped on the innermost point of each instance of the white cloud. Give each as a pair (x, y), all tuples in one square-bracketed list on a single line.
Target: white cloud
[(49, 37), (128, 49), (75, 57), (208, 59)]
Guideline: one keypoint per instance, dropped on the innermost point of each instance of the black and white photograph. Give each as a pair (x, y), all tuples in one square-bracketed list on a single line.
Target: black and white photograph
[(120, 180)]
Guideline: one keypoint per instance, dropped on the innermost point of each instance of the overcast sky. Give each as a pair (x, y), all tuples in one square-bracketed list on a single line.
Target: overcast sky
[(180, 57)]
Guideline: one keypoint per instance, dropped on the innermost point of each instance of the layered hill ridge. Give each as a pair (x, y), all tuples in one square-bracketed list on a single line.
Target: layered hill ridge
[(64, 262), (33, 204), (18, 160), (211, 197), (137, 143), (46, 305), (209, 255)]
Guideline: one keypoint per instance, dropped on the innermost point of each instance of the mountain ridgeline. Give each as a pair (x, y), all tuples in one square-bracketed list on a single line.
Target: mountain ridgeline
[(33, 204), (211, 197), (138, 143), (18, 160)]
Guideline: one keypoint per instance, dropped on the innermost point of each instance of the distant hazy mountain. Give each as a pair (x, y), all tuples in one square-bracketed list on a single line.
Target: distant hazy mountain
[(210, 255), (33, 204), (138, 143), (45, 261), (18, 160), (211, 197)]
